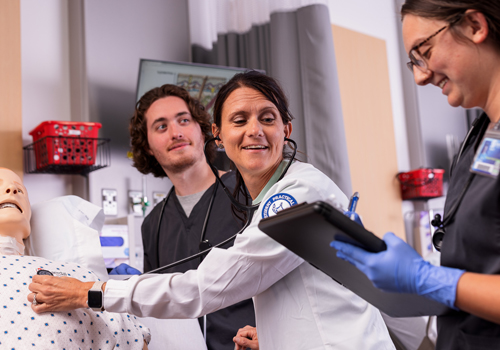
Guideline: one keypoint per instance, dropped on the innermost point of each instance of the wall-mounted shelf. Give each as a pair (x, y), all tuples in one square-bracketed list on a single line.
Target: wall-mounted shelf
[(66, 155)]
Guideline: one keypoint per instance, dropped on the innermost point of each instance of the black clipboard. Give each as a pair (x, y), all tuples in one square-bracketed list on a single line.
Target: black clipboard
[(308, 229)]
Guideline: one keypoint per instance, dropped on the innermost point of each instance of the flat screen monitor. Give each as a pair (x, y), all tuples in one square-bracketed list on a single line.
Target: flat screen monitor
[(203, 81)]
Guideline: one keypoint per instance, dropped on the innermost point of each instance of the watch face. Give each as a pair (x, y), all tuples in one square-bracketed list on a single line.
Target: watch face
[(95, 299)]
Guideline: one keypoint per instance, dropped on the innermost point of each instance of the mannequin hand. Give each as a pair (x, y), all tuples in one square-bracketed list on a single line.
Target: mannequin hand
[(246, 338), (401, 269), (354, 217), (124, 269)]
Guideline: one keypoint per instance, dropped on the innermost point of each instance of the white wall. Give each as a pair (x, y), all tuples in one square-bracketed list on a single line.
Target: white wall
[(45, 82)]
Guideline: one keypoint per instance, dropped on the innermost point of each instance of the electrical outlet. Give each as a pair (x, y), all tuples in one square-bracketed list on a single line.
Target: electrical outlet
[(109, 205), (135, 198)]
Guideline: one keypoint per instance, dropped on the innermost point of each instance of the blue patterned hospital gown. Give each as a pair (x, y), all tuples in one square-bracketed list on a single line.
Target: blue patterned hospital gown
[(21, 328)]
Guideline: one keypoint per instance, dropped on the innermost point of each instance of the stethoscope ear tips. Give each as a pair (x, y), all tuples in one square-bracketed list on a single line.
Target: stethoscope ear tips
[(436, 222)]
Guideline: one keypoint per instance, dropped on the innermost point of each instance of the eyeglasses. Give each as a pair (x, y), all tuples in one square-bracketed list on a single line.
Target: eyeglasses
[(416, 59)]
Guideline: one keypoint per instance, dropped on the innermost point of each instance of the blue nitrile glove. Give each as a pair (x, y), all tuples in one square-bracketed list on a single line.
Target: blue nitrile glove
[(124, 269), (401, 269), (354, 217)]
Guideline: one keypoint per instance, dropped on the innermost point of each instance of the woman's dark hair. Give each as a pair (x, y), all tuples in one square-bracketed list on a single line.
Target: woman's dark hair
[(451, 10), (145, 162), (253, 79), (272, 91)]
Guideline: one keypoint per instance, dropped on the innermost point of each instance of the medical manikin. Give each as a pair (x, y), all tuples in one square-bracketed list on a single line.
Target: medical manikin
[(19, 325)]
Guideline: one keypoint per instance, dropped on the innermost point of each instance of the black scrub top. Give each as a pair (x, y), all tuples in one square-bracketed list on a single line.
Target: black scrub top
[(180, 237), (472, 243)]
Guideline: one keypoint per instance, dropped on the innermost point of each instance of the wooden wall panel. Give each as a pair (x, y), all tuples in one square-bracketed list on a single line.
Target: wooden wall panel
[(11, 155), (366, 105)]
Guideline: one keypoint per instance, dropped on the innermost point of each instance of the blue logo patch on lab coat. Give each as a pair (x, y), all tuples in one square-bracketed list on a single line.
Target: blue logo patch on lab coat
[(277, 203)]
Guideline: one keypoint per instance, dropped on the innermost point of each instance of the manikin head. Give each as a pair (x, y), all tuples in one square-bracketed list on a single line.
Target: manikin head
[(15, 211)]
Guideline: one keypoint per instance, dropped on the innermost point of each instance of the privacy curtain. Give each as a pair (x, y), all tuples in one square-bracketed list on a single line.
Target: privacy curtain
[(292, 41)]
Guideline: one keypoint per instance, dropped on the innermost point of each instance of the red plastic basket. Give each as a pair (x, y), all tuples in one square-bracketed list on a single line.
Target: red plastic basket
[(421, 183), (65, 143)]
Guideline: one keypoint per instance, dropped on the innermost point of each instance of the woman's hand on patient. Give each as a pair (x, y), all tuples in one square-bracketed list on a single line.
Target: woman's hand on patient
[(58, 293), (246, 338)]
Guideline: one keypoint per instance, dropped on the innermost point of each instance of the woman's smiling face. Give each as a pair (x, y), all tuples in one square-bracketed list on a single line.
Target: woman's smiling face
[(453, 65), (253, 134)]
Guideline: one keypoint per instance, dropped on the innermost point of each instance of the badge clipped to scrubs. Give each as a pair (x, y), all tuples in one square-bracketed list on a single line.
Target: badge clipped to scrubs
[(487, 159)]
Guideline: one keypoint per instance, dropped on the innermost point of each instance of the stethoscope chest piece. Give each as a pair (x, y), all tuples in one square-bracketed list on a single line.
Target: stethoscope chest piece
[(437, 238)]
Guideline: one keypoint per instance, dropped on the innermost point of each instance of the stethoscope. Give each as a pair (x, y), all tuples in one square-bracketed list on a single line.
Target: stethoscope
[(438, 236), (205, 247)]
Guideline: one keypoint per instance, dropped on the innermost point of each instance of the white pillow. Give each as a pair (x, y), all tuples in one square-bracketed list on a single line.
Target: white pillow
[(67, 229)]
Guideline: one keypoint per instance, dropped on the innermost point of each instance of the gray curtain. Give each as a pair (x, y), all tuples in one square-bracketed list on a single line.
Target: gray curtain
[(296, 48)]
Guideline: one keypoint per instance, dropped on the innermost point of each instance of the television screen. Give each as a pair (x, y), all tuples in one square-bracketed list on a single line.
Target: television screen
[(201, 80)]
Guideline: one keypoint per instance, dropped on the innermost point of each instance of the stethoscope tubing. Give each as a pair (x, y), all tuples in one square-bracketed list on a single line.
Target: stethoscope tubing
[(249, 209), (440, 225), (202, 253)]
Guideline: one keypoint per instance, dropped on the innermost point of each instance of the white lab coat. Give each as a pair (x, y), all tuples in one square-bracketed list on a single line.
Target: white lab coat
[(296, 305)]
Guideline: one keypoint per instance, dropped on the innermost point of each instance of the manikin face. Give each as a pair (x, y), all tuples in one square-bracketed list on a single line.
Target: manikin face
[(454, 65), (15, 209), (175, 138), (253, 133)]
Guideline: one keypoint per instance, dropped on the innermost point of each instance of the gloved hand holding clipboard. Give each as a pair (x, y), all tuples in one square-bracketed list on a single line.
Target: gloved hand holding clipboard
[(307, 230)]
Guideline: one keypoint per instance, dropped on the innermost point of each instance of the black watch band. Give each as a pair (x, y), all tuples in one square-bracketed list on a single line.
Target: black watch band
[(95, 297)]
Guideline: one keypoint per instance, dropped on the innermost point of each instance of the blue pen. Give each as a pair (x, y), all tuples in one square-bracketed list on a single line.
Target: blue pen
[(353, 201)]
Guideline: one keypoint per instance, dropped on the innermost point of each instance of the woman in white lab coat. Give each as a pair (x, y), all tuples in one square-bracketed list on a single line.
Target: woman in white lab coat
[(297, 306)]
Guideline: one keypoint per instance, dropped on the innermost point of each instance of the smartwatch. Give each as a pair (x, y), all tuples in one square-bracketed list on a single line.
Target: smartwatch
[(95, 298)]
